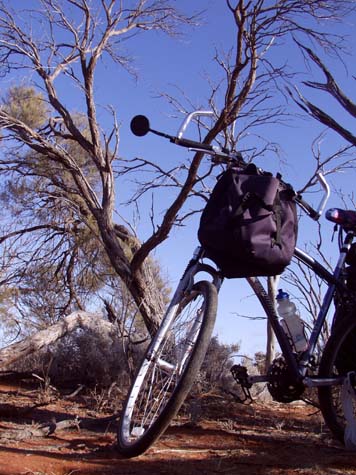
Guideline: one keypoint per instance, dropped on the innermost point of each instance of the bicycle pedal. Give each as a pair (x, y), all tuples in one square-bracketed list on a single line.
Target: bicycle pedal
[(240, 375)]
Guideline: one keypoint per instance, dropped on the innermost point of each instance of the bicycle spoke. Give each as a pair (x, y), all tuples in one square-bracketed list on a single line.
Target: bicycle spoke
[(168, 371)]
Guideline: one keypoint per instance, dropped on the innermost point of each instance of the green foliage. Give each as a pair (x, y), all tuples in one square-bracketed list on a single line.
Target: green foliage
[(25, 104), (8, 317), (89, 357), (63, 265)]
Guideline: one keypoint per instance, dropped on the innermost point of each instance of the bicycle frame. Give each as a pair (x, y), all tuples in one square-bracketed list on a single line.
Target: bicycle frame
[(333, 281), (176, 351), (298, 367)]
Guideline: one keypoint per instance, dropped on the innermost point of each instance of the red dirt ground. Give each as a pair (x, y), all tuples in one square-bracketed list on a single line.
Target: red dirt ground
[(229, 439)]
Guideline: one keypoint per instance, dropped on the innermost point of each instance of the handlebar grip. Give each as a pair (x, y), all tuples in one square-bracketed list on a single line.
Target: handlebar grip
[(191, 144), (309, 209)]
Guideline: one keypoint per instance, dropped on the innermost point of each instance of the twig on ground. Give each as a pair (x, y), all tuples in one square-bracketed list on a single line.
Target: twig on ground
[(42, 430)]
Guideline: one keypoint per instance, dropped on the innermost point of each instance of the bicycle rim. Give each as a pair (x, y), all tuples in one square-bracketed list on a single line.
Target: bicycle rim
[(168, 370), (339, 358)]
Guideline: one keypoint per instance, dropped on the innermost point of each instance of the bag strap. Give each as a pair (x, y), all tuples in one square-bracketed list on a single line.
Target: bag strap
[(277, 210), (250, 198)]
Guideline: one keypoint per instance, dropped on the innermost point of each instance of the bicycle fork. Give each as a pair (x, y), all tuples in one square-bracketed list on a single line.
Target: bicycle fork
[(184, 286)]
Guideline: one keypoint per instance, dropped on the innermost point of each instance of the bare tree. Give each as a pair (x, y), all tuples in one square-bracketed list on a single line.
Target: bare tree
[(76, 38), (331, 88), (342, 159), (241, 98), (91, 33), (245, 95)]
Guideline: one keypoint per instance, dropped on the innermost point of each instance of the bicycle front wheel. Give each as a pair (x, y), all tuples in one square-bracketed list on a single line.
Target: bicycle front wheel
[(168, 369), (339, 358)]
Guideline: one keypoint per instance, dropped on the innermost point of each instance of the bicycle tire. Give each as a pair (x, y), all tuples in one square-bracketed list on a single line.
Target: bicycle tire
[(338, 359), (168, 370)]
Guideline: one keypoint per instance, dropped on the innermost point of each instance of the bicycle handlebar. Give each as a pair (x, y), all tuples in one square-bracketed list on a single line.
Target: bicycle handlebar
[(326, 196), (192, 144), (140, 126), (188, 119), (201, 147), (315, 213)]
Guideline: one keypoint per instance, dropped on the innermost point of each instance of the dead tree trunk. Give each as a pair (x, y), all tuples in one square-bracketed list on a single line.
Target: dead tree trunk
[(50, 335)]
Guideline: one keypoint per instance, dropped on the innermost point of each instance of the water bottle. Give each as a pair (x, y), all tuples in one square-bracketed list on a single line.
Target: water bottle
[(291, 322)]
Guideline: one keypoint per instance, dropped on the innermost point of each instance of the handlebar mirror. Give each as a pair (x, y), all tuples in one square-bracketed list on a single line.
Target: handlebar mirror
[(140, 125)]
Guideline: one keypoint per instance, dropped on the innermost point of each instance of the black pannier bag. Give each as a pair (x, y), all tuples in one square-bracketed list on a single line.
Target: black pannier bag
[(249, 225)]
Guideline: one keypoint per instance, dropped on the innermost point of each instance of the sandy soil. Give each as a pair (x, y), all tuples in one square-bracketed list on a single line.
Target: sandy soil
[(229, 439)]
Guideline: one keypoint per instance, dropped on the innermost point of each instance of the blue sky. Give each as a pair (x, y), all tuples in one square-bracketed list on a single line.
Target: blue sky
[(165, 65)]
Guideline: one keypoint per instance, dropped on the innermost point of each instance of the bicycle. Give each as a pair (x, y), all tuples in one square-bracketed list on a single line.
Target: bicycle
[(177, 350)]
